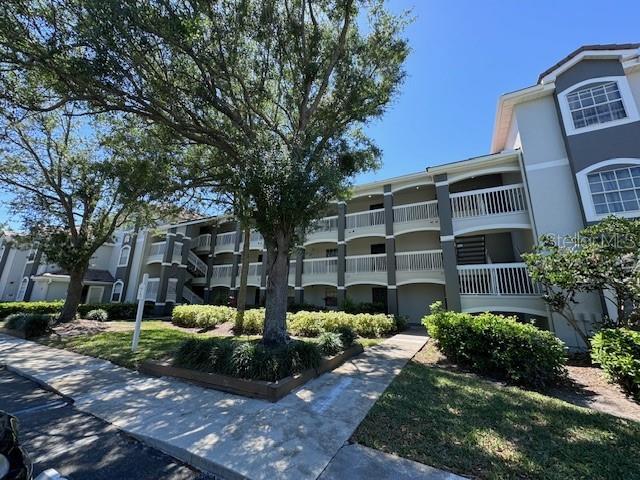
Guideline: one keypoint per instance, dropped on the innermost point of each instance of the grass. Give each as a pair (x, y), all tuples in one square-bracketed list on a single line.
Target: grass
[(460, 422), (157, 340)]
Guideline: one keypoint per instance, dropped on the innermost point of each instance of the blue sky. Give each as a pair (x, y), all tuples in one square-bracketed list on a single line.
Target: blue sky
[(465, 54)]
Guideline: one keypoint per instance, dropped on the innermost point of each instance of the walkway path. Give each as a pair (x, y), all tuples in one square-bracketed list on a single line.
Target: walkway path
[(228, 435)]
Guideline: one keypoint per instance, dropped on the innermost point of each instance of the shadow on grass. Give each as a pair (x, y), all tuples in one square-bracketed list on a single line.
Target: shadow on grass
[(460, 422)]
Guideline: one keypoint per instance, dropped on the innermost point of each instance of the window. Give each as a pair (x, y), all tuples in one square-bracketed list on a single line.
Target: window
[(596, 105), (126, 238), (22, 289), (94, 295), (616, 190), (116, 293), (378, 248), (331, 252), (125, 251)]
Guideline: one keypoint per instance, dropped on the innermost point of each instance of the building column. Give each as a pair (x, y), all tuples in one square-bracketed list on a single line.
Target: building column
[(299, 290), (208, 298), (4, 256), (390, 248), (263, 278), (448, 244), (237, 258), (165, 273), (342, 254)]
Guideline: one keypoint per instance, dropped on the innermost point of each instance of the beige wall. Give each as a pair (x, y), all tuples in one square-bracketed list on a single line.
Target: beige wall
[(362, 246), (414, 241), (423, 193), (414, 300)]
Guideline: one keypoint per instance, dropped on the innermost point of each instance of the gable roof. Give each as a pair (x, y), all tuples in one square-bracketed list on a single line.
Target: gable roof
[(585, 48)]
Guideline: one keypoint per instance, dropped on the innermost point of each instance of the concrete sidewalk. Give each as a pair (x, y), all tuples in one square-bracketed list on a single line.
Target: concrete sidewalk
[(221, 433)]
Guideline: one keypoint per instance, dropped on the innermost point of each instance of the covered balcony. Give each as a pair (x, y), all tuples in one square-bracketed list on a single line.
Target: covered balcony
[(366, 269), (323, 230), (424, 266), (221, 275), (225, 242), (202, 243), (416, 217), (254, 276), (320, 271), (365, 224)]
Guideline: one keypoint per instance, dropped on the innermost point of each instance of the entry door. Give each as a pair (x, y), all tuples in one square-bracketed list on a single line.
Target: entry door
[(94, 295), (379, 295)]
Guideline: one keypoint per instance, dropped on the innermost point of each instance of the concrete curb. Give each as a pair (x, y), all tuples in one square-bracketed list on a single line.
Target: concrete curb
[(42, 384)]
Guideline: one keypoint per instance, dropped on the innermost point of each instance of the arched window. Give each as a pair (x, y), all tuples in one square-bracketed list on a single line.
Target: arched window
[(125, 251), (22, 289), (611, 187), (116, 293)]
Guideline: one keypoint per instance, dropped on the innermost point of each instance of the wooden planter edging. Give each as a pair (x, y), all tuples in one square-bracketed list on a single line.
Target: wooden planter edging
[(13, 333), (272, 391)]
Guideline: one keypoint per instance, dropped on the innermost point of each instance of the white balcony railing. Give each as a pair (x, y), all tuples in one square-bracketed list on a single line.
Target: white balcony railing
[(255, 269), (256, 241), (326, 224), (489, 201), (221, 271), (496, 279), (320, 266), (203, 242), (364, 219), (225, 239), (199, 266), (153, 285), (177, 253), (292, 268), (156, 252), (414, 212), (172, 290), (367, 263), (420, 260)]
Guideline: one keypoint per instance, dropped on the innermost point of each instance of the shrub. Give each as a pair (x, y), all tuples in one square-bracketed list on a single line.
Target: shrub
[(247, 359), (497, 345), (350, 306), (9, 308), (202, 316), (330, 343), (347, 335), (297, 307), (253, 321), (98, 314), (312, 324), (115, 311), (617, 351), (31, 324)]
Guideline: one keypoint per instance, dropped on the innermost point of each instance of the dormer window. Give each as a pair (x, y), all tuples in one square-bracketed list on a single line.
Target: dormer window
[(595, 105)]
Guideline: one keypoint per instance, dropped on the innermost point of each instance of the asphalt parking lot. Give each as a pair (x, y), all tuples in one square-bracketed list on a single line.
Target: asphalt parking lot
[(78, 445)]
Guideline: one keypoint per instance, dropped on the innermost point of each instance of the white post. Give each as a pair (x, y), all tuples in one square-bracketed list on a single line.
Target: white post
[(142, 295)]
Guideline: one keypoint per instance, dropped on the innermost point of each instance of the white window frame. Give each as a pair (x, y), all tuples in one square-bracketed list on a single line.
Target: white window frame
[(120, 284), (585, 190), (628, 101), (122, 249), (22, 291)]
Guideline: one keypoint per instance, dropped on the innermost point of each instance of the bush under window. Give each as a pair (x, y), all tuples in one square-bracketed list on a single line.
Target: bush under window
[(497, 345), (98, 315), (617, 351)]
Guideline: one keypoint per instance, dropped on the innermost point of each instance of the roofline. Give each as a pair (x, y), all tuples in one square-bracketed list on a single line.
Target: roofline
[(483, 160)]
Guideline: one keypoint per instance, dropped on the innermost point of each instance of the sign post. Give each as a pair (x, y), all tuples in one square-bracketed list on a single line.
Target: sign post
[(142, 294)]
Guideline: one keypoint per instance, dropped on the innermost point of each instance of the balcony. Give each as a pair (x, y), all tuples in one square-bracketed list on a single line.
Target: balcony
[(320, 271), (225, 242), (202, 243), (156, 252), (490, 209), (256, 242), (221, 275), (364, 224), (292, 273), (424, 266), (366, 269), (153, 286), (254, 276), (323, 230), (416, 217), (501, 287)]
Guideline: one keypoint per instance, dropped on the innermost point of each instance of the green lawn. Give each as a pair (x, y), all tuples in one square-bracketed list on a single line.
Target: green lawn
[(471, 426), (157, 340)]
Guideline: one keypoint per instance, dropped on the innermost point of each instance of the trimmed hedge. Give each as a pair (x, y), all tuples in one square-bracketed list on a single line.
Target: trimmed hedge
[(312, 324), (497, 345), (247, 359), (303, 323), (116, 311), (10, 308), (202, 316), (617, 351), (32, 324)]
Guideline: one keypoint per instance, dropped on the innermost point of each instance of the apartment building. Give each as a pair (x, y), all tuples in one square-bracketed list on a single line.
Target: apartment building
[(565, 153)]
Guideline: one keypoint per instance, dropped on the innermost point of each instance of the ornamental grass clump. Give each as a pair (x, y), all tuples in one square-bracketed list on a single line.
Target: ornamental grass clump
[(500, 346)]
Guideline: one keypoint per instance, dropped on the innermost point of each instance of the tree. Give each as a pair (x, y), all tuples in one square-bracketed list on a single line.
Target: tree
[(600, 258), (280, 89), (75, 182)]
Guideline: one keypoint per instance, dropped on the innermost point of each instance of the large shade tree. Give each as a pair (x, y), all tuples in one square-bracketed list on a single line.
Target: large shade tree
[(281, 89), (74, 182)]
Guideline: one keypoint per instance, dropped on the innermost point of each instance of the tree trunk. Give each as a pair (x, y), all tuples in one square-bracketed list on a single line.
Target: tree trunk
[(244, 274), (74, 295), (275, 321)]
